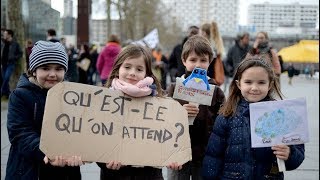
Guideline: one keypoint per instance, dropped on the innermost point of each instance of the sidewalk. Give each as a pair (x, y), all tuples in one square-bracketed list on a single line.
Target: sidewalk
[(309, 170)]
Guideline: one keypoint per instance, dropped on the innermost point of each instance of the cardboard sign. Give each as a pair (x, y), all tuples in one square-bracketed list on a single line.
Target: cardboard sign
[(279, 122), (191, 94), (101, 125)]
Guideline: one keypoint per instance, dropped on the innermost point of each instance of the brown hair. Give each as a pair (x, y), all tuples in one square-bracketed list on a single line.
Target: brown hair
[(199, 44), (265, 34), (134, 51), (114, 38), (230, 106)]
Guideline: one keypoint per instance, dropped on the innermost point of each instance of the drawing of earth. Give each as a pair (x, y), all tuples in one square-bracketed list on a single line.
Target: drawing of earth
[(278, 122)]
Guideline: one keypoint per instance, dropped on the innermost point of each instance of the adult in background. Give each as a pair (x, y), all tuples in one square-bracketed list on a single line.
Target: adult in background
[(107, 57), (92, 71), (237, 52), (160, 66), (83, 54), (10, 54), (72, 74), (176, 66), (291, 71), (263, 50), (51, 35), (215, 70), (28, 49)]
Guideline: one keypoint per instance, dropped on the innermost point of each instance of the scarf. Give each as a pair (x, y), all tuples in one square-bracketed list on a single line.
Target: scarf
[(142, 88), (264, 47)]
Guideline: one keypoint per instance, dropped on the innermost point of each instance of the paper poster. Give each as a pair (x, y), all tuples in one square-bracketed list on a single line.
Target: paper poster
[(279, 122), (194, 88), (100, 125)]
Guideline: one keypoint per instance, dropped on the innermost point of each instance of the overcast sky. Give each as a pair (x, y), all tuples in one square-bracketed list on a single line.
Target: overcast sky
[(58, 5)]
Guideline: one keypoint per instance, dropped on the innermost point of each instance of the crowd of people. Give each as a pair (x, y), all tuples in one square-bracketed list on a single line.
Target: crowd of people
[(220, 135)]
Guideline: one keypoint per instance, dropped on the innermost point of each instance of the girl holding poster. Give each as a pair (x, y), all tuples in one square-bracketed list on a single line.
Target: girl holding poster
[(229, 154), (48, 63), (131, 73)]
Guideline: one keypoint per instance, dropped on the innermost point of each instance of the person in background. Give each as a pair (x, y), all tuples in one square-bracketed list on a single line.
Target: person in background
[(83, 54), (160, 66), (92, 71), (215, 70), (51, 35), (197, 52), (28, 48), (107, 57), (47, 66), (229, 154), (281, 64), (176, 66), (72, 74), (237, 52), (291, 72), (263, 50), (10, 55), (63, 41), (132, 74)]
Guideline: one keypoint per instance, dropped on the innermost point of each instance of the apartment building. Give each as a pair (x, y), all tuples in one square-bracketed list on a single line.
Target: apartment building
[(284, 18), (197, 12)]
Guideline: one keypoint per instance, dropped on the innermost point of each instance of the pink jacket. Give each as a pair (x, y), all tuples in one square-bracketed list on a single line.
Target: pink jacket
[(106, 59)]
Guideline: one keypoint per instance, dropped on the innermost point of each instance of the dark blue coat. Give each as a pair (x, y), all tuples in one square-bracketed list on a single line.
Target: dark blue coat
[(25, 115), (229, 154)]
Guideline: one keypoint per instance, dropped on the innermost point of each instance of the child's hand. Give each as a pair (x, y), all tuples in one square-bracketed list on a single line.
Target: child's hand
[(115, 165), (74, 161), (192, 109), (281, 151), (57, 161), (174, 166)]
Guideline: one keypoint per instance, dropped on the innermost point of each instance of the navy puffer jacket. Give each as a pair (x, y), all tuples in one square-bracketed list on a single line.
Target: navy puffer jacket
[(25, 115), (229, 154)]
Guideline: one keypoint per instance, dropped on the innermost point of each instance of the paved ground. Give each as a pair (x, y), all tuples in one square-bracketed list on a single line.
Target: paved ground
[(309, 170)]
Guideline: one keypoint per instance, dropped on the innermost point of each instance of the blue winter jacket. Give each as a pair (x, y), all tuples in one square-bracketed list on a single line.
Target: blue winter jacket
[(229, 154), (25, 115)]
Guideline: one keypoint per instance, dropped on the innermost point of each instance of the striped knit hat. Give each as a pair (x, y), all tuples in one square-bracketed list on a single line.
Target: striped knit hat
[(46, 52)]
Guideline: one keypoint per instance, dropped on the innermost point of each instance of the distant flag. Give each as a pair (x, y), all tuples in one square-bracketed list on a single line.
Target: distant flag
[(151, 40)]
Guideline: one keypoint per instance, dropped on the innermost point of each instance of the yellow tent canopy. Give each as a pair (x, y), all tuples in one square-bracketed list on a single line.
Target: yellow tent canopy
[(306, 51)]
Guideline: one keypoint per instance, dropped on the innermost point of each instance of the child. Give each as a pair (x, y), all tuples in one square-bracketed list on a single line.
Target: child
[(131, 73), (229, 154), (197, 52), (47, 67)]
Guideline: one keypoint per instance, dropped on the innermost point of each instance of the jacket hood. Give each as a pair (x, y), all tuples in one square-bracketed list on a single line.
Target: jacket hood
[(25, 83)]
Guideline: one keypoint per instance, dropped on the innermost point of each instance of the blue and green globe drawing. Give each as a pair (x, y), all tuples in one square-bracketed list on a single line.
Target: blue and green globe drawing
[(277, 123)]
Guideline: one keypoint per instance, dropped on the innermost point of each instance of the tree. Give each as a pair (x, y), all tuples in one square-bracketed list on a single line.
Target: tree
[(137, 18), (15, 22)]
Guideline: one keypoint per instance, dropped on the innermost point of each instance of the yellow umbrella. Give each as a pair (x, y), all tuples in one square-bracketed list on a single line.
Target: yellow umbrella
[(306, 51)]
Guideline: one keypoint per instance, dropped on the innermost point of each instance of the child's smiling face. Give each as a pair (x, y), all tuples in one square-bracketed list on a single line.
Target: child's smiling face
[(132, 70), (254, 84)]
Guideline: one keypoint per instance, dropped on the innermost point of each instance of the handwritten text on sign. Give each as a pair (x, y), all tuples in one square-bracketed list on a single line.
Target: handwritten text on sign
[(103, 125), (192, 94)]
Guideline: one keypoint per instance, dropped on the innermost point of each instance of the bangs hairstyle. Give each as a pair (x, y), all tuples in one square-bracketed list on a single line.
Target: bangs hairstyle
[(200, 45), (230, 106), (134, 51)]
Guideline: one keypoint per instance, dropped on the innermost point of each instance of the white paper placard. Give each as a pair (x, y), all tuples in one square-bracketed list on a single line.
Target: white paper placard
[(191, 94), (279, 122)]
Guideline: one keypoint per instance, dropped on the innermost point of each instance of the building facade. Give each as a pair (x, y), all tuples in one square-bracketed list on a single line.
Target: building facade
[(39, 17), (98, 30), (284, 18), (197, 12)]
